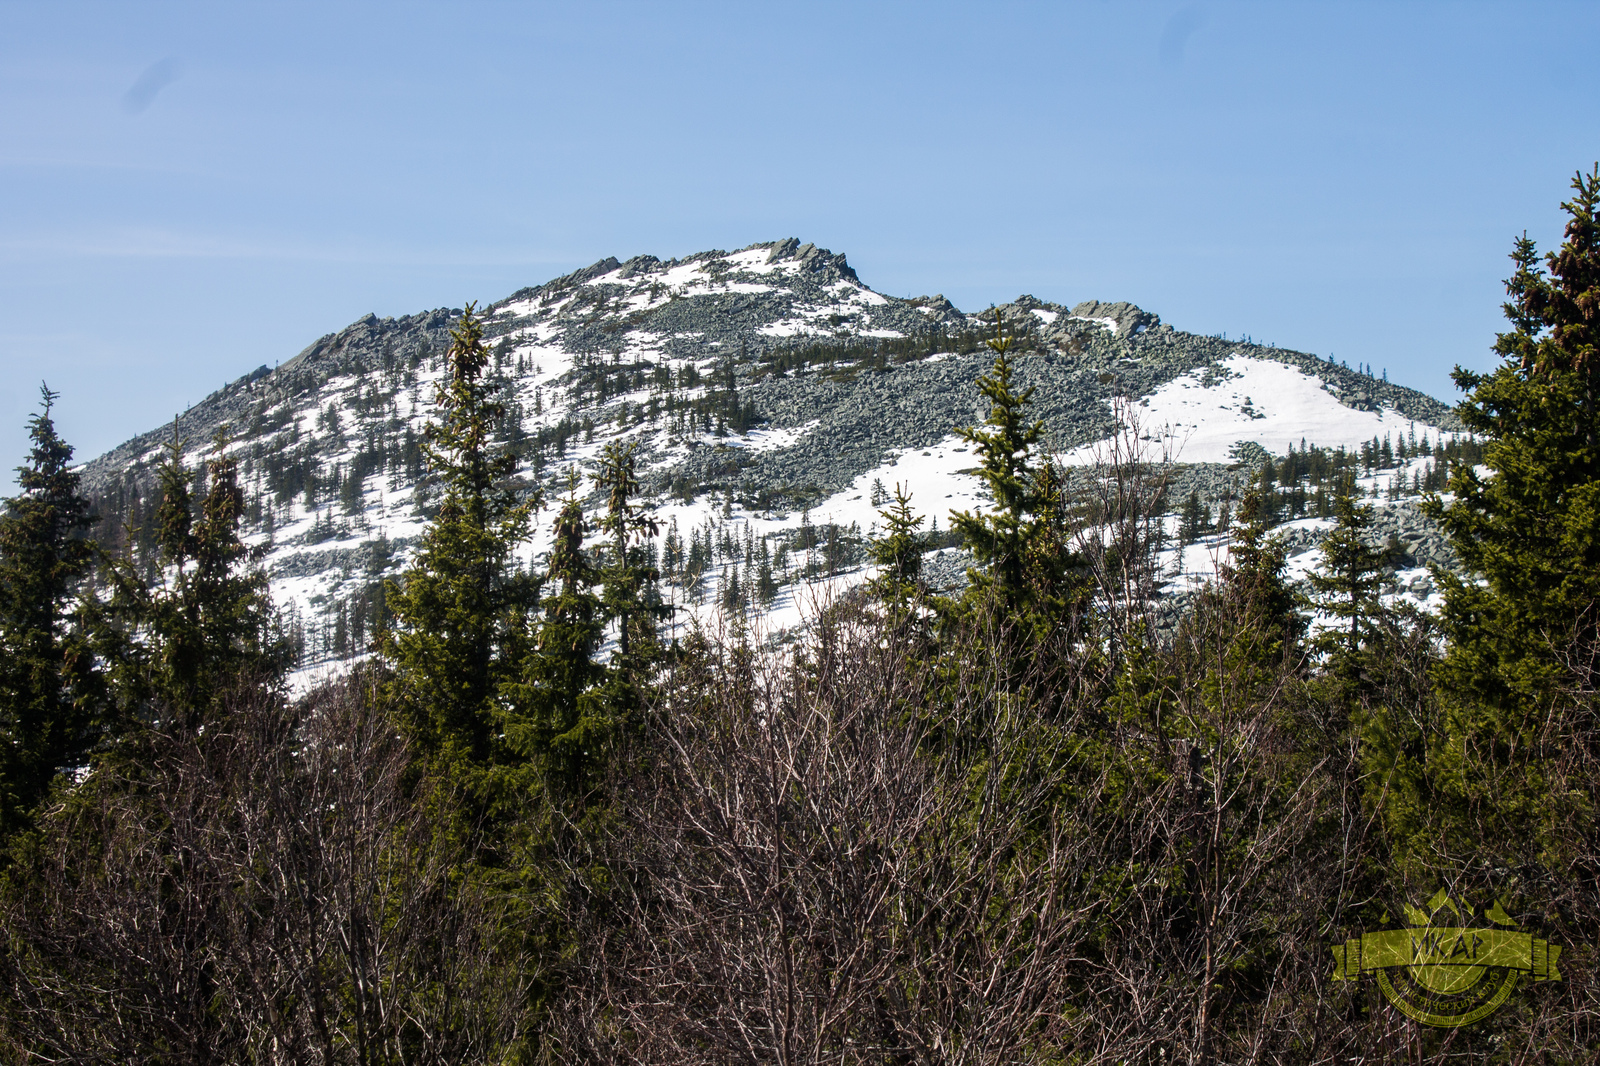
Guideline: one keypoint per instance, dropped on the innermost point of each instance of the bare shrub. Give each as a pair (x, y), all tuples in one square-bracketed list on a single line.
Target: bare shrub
[(266, 891), (1121, 504), (803, 880), (854, 854)]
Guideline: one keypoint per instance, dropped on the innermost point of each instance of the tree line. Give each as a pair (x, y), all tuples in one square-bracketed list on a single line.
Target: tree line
[(1025, 823)]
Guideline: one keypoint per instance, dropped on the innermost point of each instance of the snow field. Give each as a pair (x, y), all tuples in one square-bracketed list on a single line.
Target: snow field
[(1273, 404)]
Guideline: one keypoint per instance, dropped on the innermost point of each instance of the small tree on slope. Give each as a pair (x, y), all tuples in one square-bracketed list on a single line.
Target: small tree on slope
[(1021, 544), (461, 609), (175, 646), (45, 664)]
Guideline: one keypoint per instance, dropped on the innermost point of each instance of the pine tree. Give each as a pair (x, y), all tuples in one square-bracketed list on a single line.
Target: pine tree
[(460, 611), (46, 671)]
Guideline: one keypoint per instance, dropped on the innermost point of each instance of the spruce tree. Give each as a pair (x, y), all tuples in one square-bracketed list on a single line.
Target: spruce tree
[(1528, 528), (999, 538), (560, 723), (1251, 606), (631, 596), (898, 553), (1058, 583), (628, 577), (1353, 573), (1253, 572), (1521, 627), (1192, 519), (460, 611), (46, 671), (1028, 568), (177, 645)]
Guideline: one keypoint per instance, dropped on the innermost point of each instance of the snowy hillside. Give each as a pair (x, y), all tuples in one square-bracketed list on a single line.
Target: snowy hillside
[(775, 400)]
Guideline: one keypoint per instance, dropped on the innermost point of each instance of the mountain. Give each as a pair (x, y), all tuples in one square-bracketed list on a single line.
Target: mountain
[(775, 399)]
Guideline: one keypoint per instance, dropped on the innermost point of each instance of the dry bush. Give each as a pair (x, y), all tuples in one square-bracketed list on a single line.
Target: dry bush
[(266, 891), (1121, 506), (1241, 818), (852, 854), (801, 879)]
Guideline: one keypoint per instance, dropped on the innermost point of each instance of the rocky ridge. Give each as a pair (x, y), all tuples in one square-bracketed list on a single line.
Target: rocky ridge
[(760, 385)]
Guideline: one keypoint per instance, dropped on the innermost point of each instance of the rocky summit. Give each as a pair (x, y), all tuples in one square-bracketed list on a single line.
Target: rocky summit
[(776, 401)]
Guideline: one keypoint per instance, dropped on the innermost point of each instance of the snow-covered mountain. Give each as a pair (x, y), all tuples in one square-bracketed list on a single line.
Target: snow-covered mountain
[(775, 399)]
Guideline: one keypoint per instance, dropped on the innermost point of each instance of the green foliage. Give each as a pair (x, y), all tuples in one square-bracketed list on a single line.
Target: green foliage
[(1193, 519), (1474, 770), (1049, 829), (1022, 543), (848, 357), (1253, 587), (898, 553), (460, 610), (999, 538), (47, 678), (629, 578), (1303, 483), (562, 726), (177, 645), (1530, 526), (1353, 574)]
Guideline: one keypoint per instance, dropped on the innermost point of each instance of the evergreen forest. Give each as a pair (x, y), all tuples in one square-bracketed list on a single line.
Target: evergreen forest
[(1038, 821)]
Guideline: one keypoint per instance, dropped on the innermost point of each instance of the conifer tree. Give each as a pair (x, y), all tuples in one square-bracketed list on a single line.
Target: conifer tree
[(46, 672), (460, 611), (1250, 616), (1529, 527), (1023, 545), (630, 595), (999, 538), (766, 581), (1353, 572), (176, 646), (1252, 580), (898, 552), (1192, 520), (1521, 627), (1058, 585), (628, 577), (560, 724)]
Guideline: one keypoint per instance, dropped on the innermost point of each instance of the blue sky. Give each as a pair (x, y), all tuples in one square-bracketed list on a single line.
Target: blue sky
[(190, 190)]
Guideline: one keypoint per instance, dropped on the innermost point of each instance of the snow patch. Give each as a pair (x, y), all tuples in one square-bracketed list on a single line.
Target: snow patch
[(1203, 414), (1109, 324)]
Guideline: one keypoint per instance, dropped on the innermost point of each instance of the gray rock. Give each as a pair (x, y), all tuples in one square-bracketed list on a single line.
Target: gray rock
[(857, 417)]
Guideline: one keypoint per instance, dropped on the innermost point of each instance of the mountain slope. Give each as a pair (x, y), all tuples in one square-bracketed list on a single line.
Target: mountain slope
[(772, 394)]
